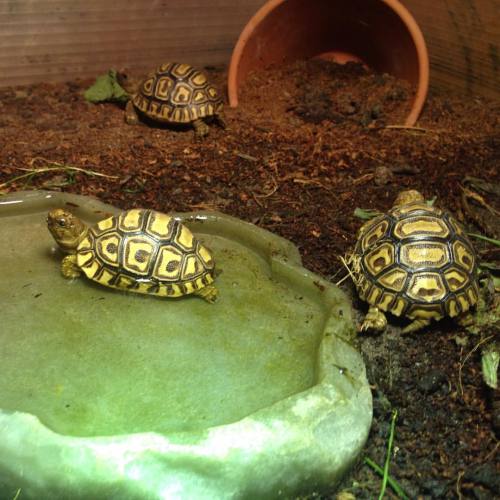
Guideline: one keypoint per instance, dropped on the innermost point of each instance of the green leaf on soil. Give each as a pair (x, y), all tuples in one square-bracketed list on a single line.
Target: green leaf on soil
[(492, 271), (496, 282), (487, 313), (366, 213), (106, 88), (490, 359), (461, 340), (370, 213), (431, 202)]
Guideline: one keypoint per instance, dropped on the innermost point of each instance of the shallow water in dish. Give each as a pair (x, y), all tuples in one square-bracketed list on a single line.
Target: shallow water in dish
[(89, 360)]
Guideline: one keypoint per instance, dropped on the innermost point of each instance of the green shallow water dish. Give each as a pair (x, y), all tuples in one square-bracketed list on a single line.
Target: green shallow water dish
[(107, 394)]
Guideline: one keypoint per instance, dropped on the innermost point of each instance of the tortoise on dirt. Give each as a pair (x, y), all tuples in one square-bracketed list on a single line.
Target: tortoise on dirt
[(138, 250), (173, 93), (417, 262)]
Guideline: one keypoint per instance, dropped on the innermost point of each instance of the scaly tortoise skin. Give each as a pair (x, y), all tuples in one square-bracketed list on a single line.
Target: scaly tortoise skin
[(139, 250), (174, 93), (417, 262)]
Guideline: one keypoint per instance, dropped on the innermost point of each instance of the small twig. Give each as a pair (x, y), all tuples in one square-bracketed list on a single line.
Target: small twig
[(423, 130), (54, 167), (457, 486), (482, 185), (363, 178), (468, 355), (298, 180), (491, 453), (347, 263), (334, 275), (467, 193), (408, 127), (204, 206), (247, 157), (273, 190), (257, 200)]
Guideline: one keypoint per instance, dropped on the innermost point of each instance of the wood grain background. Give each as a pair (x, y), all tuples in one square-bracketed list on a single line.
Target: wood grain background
[(54, 40), (463, 39)]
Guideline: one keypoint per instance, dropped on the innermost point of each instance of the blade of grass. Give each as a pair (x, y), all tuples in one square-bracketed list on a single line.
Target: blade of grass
[(14, 179), (386, 479), (388, 456), (391, 482), (491, 266), (485, 238)]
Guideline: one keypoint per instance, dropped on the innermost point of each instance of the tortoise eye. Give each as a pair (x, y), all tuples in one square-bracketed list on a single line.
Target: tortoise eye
[(61, 222)]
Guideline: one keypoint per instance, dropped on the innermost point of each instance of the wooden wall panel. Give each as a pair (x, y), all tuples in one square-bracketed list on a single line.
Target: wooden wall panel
[(463, 39), (54, 40)]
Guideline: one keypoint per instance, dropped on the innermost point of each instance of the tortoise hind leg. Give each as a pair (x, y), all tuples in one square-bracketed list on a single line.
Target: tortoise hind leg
[(374, 320), (221, 121), (416, 325), (69, 267), (209, 293), (466, 319), (201, 129)]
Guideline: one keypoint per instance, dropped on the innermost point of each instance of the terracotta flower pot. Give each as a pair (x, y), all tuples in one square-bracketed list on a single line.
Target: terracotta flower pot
[(379, 33)]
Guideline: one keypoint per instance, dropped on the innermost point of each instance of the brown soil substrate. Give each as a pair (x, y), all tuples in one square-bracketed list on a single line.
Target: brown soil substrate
[(309, 143)]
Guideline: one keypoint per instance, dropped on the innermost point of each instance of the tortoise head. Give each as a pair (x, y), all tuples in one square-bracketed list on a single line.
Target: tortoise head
[(127, 82), (66, 229), (407, 197)]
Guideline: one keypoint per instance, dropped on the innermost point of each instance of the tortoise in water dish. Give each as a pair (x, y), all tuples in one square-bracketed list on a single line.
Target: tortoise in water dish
[(139, 250)]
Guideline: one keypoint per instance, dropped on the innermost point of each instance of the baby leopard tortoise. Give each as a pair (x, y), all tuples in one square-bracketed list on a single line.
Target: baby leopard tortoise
[(138, 250), (173, 93), (417, 262)]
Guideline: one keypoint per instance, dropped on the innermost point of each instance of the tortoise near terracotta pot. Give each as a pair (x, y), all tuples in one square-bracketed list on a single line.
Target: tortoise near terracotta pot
[(173, 93), (417, 262), (141, 251)]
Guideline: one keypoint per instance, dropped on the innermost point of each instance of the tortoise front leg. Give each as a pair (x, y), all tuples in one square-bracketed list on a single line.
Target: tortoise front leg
[(131, 116), (374, 320), (201, 129), (69, 267)]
